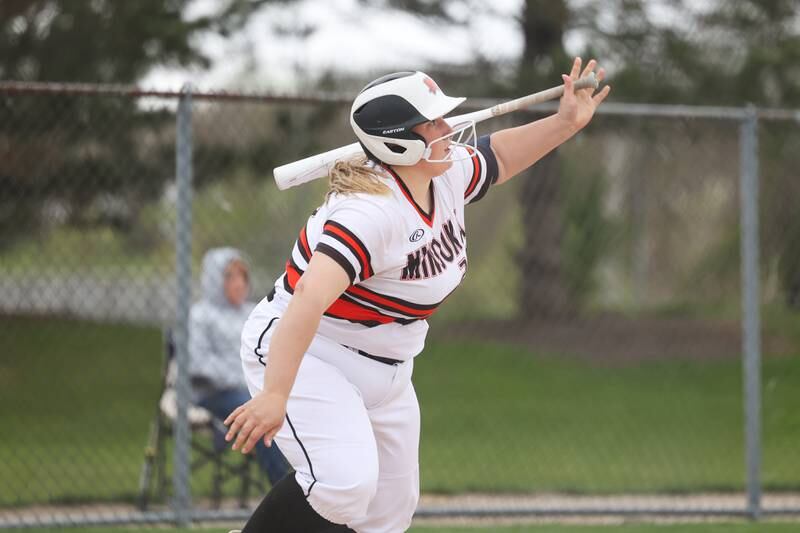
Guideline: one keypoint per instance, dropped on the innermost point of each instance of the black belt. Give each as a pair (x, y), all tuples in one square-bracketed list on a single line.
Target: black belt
[(384, 360)]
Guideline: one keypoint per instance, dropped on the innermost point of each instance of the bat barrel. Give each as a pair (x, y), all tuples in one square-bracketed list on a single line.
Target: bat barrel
[(314, 167)]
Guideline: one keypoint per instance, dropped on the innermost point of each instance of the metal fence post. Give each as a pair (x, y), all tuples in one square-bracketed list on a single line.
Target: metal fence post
[(183, 270), (751, 326)]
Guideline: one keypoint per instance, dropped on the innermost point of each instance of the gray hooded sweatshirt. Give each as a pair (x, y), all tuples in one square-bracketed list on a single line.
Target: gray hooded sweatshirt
[(215, 328)]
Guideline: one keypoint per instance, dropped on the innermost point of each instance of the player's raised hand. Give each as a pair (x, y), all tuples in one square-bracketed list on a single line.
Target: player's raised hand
[(261, 417), (577, 107)]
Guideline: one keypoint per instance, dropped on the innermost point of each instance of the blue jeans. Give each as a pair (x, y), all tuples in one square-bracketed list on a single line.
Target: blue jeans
[(221, 404)]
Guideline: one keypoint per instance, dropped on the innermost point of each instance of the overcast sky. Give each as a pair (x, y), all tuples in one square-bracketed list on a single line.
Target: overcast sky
[(347, 38), (350, 38)]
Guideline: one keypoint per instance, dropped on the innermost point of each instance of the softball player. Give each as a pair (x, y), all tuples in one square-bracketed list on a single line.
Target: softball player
[(328, 355)]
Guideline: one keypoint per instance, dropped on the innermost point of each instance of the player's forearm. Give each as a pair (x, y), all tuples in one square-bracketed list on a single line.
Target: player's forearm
[(518, 148), (291, 339), (322, 283)]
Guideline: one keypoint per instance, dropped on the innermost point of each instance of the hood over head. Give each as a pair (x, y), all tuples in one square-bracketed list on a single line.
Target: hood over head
[(215, 261)]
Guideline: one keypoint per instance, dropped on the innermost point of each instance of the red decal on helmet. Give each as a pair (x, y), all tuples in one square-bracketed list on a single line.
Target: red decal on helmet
[(432, 87)]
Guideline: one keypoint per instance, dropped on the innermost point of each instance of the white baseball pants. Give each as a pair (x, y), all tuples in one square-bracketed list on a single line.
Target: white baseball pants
[(351, 430)]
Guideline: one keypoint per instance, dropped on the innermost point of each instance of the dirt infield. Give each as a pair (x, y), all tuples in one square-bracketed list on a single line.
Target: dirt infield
[(477, 509), (617, 338)]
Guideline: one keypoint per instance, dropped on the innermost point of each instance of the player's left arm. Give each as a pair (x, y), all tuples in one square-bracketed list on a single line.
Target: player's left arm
[(518, 148)]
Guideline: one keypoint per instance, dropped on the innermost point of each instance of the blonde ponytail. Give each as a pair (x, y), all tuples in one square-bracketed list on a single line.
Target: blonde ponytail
[(354, 175)]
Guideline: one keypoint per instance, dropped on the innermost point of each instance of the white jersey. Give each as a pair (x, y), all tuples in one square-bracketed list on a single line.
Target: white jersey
[(402, 262)]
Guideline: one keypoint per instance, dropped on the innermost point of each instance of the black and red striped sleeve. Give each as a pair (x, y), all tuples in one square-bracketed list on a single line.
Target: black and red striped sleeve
[(479, 171), (354, 237)]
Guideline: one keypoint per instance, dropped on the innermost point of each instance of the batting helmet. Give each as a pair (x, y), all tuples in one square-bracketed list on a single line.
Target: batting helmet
[(384, 112)]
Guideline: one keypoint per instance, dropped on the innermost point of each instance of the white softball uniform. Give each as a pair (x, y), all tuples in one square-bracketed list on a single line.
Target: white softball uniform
[(352, 423)]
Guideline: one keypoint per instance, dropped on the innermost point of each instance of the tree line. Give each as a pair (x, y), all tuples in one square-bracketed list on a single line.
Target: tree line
[(720, 53)]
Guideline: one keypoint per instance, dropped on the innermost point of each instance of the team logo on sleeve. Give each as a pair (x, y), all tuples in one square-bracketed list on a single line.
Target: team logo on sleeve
[(432, 259)]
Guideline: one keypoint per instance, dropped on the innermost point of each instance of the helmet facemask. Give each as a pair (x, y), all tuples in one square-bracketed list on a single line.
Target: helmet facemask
[(463, 135)]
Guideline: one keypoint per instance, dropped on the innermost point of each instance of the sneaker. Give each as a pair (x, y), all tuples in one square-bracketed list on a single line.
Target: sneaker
[(235, 531)]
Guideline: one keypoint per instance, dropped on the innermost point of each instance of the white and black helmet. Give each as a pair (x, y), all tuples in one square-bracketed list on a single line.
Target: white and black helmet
[(384, 112)]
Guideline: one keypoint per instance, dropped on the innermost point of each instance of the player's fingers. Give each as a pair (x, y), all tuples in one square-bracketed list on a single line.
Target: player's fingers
[(601, 75), (235, 426), (243, 435), (569, 90), (589, 68), (233, 415), (251, 441), (599, 97), (576, 67), (270, 435)]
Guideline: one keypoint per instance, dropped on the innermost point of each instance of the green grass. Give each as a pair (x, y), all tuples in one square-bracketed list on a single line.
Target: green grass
[(76, 400), (498, 418), (627, 528), (721, 527), (79, 398)]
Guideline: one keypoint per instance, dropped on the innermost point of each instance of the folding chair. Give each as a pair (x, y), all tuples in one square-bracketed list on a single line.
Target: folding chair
[(207, 444)]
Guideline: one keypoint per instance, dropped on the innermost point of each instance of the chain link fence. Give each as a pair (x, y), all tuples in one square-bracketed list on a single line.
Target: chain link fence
[(606, 354)]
